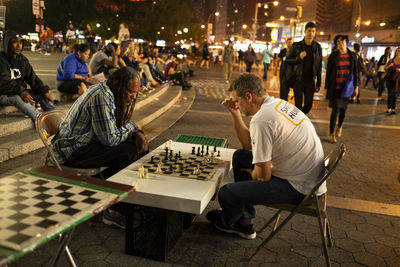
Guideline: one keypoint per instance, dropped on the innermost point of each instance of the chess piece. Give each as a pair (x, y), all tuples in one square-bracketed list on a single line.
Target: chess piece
[(179, 156), (215, 148), (170, 144), (152, 160), (171, 168), (177, 168), (219, 154), (146, 173), (159, 170), (166, 150), (141, 172), (170, 153), (202, 148), (193, 150), (198, 151), (207, 149), (212, 157)]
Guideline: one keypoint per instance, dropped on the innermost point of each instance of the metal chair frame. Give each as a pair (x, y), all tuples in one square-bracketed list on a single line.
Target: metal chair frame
[(47, 125), (312, 205)]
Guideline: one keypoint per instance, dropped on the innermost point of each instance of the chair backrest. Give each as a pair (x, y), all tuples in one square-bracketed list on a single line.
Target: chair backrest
[(331, 162), (47, 125)]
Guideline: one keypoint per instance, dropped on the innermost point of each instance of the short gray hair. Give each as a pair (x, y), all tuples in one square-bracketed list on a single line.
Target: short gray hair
[(247, 83)]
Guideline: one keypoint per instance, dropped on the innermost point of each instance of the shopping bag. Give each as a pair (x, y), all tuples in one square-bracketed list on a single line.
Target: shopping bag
[(348, 88), (273, 84)]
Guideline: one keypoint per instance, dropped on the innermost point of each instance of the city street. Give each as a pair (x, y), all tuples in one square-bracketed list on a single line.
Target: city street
[(363, 193)]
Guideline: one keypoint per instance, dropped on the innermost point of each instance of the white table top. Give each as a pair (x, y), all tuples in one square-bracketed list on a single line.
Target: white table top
[(169, 192)]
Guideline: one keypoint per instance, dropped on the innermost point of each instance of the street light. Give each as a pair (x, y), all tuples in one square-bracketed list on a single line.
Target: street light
[(244, 26), (254, 32), (275, 3), (185, 30), (282, 17), (203, 26), (208, 23)]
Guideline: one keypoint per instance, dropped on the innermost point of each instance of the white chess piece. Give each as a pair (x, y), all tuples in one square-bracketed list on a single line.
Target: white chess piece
[(146, 173), (141, 172), (158, 170), (212, 157)]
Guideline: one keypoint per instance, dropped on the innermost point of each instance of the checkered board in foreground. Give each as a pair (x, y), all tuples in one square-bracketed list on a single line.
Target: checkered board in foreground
[(187, 165), (33, 208)]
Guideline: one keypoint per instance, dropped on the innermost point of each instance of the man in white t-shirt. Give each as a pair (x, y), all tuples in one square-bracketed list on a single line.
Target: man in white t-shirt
[(103, 61), (281, 161)]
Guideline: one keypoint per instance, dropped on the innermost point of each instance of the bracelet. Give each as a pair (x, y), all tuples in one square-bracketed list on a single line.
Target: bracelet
[(140, 131)]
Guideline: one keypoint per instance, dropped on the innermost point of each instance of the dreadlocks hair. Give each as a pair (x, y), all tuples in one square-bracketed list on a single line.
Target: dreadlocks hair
[(119, 85)]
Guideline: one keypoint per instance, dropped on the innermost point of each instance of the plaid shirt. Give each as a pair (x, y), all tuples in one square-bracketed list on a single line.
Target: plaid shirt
[(90, 120)]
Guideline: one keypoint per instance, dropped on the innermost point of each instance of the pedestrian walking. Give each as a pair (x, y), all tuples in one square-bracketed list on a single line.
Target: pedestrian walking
[(381, 70), (371, 72), (360, 67), (227, 58), (267, 55), (284, 87), (342, 82), (392, 78), (205, 55), (249, 57), (305, 59), (123, 37)]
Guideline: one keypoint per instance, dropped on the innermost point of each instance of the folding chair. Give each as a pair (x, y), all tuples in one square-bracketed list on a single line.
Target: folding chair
[(312, 205), (47, 124)]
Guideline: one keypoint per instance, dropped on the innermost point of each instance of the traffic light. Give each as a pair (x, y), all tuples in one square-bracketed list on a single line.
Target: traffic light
[(299, 12)]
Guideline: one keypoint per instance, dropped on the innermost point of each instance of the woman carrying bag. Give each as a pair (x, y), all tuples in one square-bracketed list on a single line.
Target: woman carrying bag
[(342, 81), (392, 78), (381, 70)]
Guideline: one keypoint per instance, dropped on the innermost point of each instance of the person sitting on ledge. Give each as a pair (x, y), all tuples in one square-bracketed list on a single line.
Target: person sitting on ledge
[(97, 131), (72, 73), (15, 74), (171, 74), (281, 161)]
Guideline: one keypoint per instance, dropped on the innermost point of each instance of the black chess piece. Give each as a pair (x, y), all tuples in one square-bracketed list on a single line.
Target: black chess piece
[(170, 153), (207, 152), (215, 148), (176, 156), (207, 149), (179, 155), (166, 150), (152, 160), (219, 154), (193, 150), (170, 168), (166, 155), (202, 148), (202, 153), (198, 151)]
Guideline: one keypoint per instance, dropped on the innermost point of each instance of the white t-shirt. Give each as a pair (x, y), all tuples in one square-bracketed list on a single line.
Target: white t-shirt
[(284, 135), (95, 63)]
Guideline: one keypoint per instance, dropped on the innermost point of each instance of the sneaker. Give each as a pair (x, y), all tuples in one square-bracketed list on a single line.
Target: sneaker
[(332, 138), (358, 101), (246, 232), (112, 217), (339, 131)]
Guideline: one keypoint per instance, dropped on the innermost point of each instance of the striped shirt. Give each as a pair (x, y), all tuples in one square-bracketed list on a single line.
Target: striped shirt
[(342, 70), (91, 119)]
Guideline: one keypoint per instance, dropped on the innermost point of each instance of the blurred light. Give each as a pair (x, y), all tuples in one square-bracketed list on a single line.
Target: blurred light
[(382, 24), (109, 29), (368, 22), (117, 15), (271, 25), (282, 17), (185, 30), (265, 6), (244, 26), (216, 13), (358, 34), (162, 28), (212, 36), (160, 43), (236, 11), (227, 25), (276, 3), (179, 32), (203, 26), (321, 33), (98, 25), (259, 5), (176, 34), (158, 32), (232, 39)]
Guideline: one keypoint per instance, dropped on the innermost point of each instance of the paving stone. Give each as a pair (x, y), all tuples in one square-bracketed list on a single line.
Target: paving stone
[(379, 250), (308, 251), (381, 221), (368, 228), (352, 264), (263, 256), (389, 241), (291, 260), (98, 263), (360, 236), (349, 245), (368, 259), (352, 218), (320, 262), (339, 255), (397, 250), (392, 261), (392, 231), (122, 259)]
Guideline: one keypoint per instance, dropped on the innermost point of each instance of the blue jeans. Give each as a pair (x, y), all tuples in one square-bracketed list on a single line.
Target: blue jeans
[(266, 66), (237, 199), (27, 108), (249, 65)]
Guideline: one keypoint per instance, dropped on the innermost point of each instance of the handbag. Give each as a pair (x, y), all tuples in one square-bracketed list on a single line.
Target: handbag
[(348, 88)]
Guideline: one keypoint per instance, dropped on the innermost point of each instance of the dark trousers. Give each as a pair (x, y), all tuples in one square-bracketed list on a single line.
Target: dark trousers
[(381, 84), (98, 155), (266, 66), (306, 88), (237, 199), (392, 94), (339, 106), (369, 77), (249, 65), (283, 90), (179, 77)]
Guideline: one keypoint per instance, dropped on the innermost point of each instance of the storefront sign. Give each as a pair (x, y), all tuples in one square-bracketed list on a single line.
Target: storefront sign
[(367, 40)]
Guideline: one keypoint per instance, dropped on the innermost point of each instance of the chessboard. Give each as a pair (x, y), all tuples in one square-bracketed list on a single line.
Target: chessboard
[(200, 166), (34, 208)]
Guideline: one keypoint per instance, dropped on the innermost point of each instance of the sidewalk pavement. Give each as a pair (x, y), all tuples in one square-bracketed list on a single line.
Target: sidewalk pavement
[(363, 204)]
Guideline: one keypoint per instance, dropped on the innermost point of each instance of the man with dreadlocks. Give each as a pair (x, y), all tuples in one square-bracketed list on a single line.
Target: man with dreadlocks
[(97, 131)]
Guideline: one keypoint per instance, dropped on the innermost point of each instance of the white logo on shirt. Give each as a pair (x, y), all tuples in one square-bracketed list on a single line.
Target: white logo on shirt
[(290, 112), (15, 74)]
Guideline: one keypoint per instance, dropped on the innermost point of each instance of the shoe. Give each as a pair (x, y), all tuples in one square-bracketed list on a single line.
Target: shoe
[(246, 232), (351, 101), (213, 215), (112, 217), (388, 111), (358, 101), (332, 138), (339, 131), (393, 112)]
